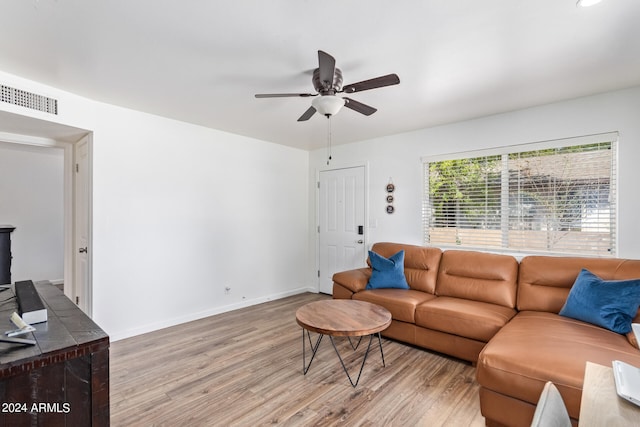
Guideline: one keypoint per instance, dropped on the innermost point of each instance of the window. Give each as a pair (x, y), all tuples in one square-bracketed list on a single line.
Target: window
[(553, 197)]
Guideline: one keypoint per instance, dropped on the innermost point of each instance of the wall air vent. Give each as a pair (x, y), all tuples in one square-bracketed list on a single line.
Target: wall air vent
[(30, 100)]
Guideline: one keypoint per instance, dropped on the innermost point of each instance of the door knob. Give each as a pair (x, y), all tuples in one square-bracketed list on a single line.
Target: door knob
[(82, 250), (360, 241)]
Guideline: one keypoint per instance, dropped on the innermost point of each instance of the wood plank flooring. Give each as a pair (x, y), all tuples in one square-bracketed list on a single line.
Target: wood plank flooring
[(244, 368)]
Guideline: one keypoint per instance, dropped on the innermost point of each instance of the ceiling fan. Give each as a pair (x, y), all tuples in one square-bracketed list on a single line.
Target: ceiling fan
[(327, 81)]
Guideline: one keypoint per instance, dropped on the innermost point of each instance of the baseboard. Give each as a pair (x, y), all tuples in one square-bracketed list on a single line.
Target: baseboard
[(205, 313)]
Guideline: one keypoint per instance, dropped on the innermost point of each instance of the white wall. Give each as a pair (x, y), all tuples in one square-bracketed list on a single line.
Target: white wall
[(180, 212), (399, 157), (31, 199)]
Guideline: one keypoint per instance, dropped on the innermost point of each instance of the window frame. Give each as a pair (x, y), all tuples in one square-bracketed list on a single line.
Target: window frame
[(612, 137)]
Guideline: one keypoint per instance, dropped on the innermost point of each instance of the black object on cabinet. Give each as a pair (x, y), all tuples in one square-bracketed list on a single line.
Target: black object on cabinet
[(5, 254)]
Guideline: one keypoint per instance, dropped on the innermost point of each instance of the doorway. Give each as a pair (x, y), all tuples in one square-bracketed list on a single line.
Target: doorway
[(77, 216), (341, 223)]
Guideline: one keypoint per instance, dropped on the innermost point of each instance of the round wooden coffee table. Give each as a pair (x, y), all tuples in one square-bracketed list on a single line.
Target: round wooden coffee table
[(341, 318)]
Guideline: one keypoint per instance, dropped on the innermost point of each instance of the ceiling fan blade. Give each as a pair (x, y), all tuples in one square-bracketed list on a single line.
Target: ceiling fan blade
[(283, 95), (307, 114), (382, 81), (327, 67), (359, 107)]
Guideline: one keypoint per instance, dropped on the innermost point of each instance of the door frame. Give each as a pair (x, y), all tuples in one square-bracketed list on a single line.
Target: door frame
[(329, 168), (87, 287), (69, 203)]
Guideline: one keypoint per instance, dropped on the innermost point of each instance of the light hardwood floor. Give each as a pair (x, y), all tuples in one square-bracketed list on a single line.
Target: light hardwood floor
[(244, 368)]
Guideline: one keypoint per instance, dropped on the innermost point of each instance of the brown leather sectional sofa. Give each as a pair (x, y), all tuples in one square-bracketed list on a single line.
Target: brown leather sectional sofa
[(502, 315)]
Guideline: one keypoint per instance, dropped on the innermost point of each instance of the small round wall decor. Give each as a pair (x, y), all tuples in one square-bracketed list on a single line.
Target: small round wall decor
[(390, 189)]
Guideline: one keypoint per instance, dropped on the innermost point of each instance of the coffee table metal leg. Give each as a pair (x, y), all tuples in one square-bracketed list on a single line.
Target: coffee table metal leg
[(314, 350), (381, 352), (361, 366), (355, 347)]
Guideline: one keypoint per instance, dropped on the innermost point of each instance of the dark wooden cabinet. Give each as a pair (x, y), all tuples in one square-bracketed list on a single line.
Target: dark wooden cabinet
[(63, 380), (5, 253)]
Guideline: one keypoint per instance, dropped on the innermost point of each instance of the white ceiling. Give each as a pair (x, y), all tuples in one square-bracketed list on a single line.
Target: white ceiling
[(201, 61)]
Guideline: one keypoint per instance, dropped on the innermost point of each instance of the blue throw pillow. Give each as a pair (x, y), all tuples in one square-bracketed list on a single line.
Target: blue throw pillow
[(611, 304), (387, 273)]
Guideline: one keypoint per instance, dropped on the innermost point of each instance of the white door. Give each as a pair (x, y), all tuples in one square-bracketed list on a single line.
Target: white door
[(81, 287), (341, 223)]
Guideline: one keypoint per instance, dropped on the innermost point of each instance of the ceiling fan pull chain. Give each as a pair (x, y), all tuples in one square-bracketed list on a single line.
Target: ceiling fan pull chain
[(329, 138)]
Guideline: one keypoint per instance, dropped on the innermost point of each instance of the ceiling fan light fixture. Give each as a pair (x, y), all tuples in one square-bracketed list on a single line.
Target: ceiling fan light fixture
[(327, 105), (587, 3)]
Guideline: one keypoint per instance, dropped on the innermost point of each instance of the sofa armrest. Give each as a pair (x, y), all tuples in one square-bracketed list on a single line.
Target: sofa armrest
[(354, 280)]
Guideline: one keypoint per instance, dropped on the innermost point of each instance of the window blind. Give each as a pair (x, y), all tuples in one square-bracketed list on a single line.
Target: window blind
[(556, 197)]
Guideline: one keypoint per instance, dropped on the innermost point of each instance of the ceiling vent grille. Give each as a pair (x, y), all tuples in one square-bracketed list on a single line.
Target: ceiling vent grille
[(30, 100)]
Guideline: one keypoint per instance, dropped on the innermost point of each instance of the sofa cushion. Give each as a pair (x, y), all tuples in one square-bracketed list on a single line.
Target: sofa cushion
[(478, 276), (544, 281), (470, 319), (400, 302), (387, 272), (420, 263), (536, 347), (611, 304)]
